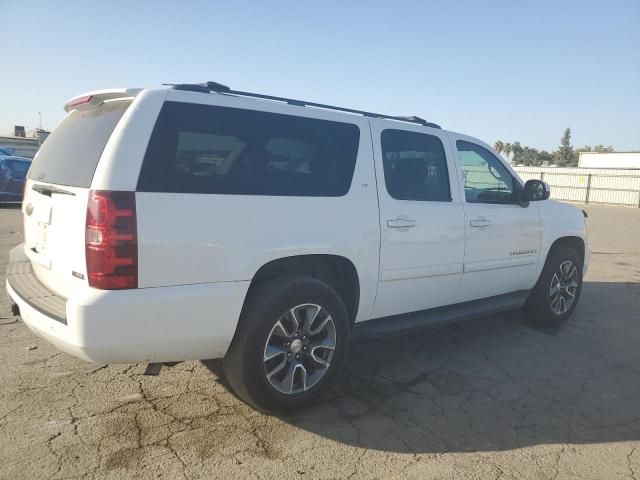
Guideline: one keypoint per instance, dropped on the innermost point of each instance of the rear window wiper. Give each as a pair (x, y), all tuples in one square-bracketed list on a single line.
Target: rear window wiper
[(48, 190)]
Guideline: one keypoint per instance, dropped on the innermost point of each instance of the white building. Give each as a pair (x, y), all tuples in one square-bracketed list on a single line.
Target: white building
[(609, 160)]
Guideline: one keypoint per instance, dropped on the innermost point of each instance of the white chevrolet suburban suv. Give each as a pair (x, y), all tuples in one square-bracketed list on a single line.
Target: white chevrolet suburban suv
[(196, 222)]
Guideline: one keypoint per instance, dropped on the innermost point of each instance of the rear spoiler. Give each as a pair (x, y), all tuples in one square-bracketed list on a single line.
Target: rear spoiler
[(98, 97)]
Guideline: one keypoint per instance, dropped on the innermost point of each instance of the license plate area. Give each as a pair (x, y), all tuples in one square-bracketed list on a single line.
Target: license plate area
[(40, 221), (41, 238)]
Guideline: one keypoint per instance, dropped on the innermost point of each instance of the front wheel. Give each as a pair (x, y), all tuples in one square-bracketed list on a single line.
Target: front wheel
[(555, 296), (292, 339)]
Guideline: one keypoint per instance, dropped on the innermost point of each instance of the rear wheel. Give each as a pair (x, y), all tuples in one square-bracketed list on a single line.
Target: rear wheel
[(291, 341), (555, 296)]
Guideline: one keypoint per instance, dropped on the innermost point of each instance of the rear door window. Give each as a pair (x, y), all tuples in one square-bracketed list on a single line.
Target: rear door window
[(70, 155), (415, 166), (218, 150)]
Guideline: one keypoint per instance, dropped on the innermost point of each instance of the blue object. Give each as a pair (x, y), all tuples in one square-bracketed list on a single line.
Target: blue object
[(13, 174), (7, 151)]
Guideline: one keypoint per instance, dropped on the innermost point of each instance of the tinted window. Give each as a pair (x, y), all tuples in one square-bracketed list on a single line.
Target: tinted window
[(486, 179), (415, 166), (207, 149), (69, 156)]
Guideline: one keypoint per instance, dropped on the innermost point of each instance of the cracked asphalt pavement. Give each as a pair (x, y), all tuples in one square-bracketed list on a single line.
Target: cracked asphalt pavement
[(488, 398)]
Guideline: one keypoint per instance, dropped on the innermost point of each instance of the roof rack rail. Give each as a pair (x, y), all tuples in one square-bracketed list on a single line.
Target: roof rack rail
[(208, 87)]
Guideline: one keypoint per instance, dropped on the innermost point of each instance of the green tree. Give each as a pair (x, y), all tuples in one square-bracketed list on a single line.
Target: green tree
[(565, 156), (498, 146), (529, 156), (516, 149), (545, 156), (602, 149), (506, 148)]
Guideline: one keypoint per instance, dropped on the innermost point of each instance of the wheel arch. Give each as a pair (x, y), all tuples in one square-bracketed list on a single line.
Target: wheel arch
[(572, 241), (337, 271)]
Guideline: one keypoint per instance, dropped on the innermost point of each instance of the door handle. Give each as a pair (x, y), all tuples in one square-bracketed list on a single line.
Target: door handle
[(480, 222), (401, 223)]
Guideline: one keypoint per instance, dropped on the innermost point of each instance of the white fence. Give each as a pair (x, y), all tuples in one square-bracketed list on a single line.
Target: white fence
[(589, 185)]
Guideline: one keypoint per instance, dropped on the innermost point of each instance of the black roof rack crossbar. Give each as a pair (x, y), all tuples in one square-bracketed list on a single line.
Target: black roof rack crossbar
[(219, 88)]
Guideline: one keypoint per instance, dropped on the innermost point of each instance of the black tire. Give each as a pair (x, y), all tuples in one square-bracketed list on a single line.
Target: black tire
[(538, 307), (267, 302)]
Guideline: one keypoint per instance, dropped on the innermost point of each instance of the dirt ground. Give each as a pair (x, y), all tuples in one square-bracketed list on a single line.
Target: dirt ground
[(490, 398)]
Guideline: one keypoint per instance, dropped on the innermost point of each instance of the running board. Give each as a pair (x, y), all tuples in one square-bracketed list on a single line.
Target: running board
[(397, 325)]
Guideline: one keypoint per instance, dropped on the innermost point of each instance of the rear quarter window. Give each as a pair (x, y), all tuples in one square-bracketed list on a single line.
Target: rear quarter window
[(218, 150), (70, 155)]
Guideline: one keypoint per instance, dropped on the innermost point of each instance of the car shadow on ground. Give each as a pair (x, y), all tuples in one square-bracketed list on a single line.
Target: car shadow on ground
[(493, 383)]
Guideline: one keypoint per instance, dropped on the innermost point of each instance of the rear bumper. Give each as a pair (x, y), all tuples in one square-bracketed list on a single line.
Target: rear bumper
[(27, 286), (186, 322)]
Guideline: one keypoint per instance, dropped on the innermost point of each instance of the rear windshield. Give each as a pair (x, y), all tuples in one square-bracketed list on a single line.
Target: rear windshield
[(70, 154), (206, 149)]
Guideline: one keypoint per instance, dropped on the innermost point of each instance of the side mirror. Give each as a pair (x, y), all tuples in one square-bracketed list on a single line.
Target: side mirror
[(536, 190)]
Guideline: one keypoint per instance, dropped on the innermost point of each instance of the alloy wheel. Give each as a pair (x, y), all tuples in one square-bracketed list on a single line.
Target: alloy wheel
[(299, 348), (563, 288)]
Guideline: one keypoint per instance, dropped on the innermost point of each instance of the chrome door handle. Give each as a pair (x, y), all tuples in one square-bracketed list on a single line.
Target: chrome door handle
[(401, 223), (480, 222)]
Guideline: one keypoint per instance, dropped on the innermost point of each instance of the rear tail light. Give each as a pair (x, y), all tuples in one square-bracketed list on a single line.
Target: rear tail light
[(111, 240)]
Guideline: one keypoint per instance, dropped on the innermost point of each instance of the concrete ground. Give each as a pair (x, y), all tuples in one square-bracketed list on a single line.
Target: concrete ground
[(492, 398)]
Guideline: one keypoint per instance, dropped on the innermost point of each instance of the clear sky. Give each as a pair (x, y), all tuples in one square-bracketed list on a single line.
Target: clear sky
[(504, 70)]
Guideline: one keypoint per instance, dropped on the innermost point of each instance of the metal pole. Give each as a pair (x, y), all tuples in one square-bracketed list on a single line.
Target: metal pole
[(541, 176), (588, 188)]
